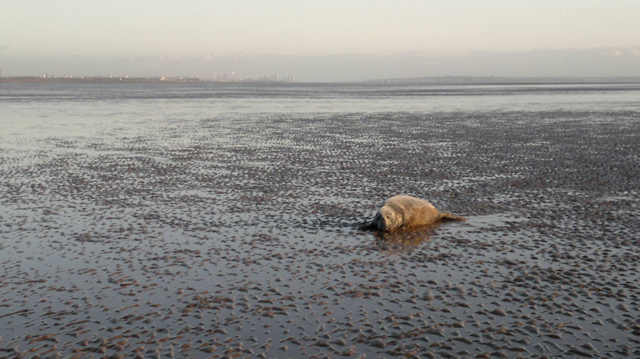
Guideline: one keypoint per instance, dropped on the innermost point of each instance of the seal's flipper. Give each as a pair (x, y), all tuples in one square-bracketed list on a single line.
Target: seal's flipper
[(452, 217)]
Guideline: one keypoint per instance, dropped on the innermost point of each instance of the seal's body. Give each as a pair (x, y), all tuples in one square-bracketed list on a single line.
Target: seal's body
[(405, 212)]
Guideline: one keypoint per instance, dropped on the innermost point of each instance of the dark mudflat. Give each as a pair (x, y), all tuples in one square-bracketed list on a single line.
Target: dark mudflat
[(225, 236)]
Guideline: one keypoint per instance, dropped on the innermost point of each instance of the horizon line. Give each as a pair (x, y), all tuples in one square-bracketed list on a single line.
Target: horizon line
[(441, 79)]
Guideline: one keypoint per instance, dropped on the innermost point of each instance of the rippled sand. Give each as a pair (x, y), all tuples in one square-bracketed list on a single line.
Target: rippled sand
[(236, 236)]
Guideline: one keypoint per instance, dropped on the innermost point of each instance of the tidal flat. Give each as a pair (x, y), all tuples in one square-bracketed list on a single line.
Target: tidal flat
[(126, 232)]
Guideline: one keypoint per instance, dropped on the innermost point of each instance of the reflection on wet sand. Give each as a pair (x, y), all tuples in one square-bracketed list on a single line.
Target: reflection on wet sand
[(404, 239)]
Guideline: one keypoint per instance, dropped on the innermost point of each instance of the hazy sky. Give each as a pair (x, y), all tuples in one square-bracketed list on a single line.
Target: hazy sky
[(321, 40)]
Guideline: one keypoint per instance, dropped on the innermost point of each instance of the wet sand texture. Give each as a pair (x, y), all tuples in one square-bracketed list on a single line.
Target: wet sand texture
[(236, 237)]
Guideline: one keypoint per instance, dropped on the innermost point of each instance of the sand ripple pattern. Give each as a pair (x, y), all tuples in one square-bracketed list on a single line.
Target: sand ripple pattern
[(235, 236)]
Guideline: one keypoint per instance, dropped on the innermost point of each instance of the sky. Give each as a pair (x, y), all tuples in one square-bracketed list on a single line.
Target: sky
[(329, 40)]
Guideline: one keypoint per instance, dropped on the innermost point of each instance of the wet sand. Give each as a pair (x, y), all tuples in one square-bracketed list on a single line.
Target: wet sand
[(236, 236)]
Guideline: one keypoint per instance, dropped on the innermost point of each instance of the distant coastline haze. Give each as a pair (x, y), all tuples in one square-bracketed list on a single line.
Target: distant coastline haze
[(321, 41)]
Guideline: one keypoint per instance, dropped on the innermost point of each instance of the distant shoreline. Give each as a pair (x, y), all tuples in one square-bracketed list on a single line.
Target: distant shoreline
[(499, 80), (33, 79), (437, 80)]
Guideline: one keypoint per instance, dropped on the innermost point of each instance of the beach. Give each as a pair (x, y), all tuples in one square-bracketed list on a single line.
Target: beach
[(221, 221)]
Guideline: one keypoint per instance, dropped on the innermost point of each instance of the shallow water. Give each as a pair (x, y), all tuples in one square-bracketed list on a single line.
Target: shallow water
[(212, 220)]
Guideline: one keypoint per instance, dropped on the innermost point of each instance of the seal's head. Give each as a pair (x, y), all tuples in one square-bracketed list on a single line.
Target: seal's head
[(387, 219)]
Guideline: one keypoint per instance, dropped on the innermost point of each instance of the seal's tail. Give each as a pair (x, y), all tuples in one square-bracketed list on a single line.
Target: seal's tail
[(452, 217)]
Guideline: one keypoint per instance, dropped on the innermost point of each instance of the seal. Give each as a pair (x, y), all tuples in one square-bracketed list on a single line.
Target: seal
[(401, 212)]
